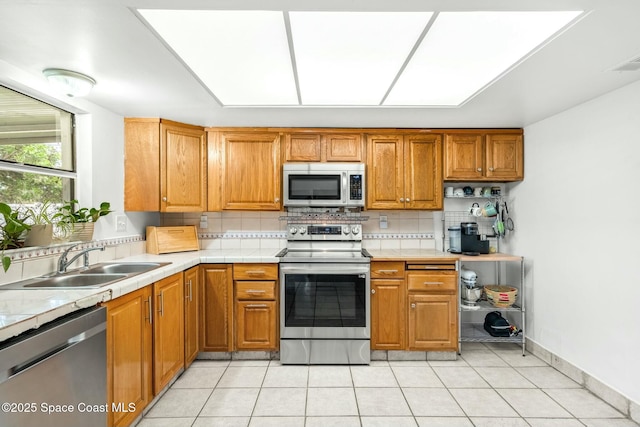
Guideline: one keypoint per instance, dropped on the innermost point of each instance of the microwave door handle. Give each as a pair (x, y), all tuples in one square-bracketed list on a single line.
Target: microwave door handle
[(345, 192)]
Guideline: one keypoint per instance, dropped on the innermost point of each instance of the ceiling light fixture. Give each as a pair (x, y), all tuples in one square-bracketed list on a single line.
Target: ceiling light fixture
[(69, 82)]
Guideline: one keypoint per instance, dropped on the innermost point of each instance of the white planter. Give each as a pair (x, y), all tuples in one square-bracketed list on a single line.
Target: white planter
[(39, 235), (82, 231)]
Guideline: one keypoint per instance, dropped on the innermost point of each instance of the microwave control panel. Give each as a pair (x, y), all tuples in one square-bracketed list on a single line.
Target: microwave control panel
[(355, 187)]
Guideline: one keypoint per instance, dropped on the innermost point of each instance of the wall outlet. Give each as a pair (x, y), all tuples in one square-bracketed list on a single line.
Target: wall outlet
[(121, 223), (203, 221), (383, 221)]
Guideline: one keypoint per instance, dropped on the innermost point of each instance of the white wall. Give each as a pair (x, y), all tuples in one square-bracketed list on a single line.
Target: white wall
[(576, 216)]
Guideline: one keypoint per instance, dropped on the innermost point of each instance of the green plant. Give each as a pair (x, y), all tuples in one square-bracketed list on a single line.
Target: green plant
[(70, 215), (11, 231), (42, 214)]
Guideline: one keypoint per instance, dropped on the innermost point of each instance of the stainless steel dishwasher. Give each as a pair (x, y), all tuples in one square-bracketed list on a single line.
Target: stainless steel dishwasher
[(56, 375)]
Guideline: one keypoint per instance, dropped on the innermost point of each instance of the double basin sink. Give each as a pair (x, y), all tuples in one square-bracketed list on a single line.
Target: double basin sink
[(96, 276)]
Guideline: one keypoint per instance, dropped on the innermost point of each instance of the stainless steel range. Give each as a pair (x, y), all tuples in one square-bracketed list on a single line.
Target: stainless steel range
[(325, 289)]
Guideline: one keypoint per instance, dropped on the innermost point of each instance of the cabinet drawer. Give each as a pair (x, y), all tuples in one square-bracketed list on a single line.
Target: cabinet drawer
[(255, 271), (255, 290), (433, 281), (387, 270)]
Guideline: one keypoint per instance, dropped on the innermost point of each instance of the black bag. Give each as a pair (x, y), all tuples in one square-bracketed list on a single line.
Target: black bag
[(496, 325)]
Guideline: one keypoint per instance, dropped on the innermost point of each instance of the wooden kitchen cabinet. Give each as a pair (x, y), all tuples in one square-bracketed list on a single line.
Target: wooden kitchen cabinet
[(323, 147), (404, 171), (129, 355), (216, 307), (168, 330), (432, 322), (433, 307), (165, 166), (388, 306), (244, 170), (256, 309), (191, 315), (484, 156)]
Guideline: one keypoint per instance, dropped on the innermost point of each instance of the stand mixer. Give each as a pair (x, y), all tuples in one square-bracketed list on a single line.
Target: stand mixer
[(470, 291)]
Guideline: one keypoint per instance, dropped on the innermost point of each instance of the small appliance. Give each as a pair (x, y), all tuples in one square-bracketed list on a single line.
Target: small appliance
[(470, 241), (454, 240), (323, 185)]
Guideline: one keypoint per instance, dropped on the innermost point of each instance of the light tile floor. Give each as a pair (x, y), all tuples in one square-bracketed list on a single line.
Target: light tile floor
[(489, 385)]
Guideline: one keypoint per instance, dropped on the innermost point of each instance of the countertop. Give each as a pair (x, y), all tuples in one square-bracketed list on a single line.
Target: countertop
[(412, 255), (21, 310)]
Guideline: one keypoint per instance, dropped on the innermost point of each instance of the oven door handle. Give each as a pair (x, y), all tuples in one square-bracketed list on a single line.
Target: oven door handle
[(325, 268)]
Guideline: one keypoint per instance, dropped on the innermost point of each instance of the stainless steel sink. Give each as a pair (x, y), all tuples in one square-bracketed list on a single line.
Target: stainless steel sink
[(123, 267), (95, 276), (74, 281)]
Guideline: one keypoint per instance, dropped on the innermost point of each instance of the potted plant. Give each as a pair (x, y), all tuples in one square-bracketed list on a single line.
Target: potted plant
[(79, 223), (12, 232), (42, 218)]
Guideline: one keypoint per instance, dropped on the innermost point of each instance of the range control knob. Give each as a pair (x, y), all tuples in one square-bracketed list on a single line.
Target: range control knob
[(302, 230), (293, 230), (346, 229), (355, 229)]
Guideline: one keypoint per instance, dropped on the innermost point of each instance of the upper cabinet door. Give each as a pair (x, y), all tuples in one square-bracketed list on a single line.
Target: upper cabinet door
[(385, 172), (505, 157), (302, 147), (464, 154), (251, 171), (423, 171), (343, 148), (183, 171)]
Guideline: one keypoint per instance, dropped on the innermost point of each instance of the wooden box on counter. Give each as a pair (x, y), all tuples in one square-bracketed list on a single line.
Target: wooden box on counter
[(164, 240)]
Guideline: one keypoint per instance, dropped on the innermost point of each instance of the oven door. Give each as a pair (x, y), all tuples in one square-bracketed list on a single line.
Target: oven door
[(325, 301)]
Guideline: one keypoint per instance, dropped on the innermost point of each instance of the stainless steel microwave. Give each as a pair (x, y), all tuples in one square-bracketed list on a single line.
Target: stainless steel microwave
[(323, 184)]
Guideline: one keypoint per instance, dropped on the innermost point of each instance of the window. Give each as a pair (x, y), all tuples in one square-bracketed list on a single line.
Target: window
[(36, 151)]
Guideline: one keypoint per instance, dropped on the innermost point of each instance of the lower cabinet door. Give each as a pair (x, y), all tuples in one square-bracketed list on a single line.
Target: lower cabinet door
[(129, 356), (256, 325), (388, 314), (433, 322), (168, 330), (191, 315)]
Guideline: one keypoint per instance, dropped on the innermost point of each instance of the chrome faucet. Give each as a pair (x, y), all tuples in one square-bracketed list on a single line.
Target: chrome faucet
[(63, 263)]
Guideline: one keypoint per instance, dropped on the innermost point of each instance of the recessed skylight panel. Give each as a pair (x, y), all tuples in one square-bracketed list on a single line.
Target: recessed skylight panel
[(351, 58), (241, 56), (465, 51)]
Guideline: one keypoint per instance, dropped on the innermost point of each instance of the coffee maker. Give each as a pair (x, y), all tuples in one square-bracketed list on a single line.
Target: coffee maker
[(470, 242)]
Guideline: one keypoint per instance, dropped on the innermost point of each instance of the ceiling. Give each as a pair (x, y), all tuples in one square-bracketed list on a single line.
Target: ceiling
[(139, 74)]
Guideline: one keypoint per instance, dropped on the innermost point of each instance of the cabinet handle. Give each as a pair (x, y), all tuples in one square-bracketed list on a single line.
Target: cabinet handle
[(433, 283), (490, 169), (161, 303), (149, 310), (402, 199), (255, 291), (277, 199), (373, 291), (479, 169), (413, 305), (190, 291), (408, 200), (387, 271), (256, 305), (164, 199), (255, 272)]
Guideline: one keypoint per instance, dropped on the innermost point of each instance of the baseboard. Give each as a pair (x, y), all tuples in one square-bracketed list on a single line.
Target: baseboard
[(614, 398)]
